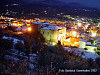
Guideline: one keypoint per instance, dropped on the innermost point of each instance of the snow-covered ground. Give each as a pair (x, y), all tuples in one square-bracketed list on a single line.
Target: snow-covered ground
[(14, 39), (31, 66), (11, 58), (90, 54), (32, 58), (15, 55), (22, 54), (15, 52), (87, 53)]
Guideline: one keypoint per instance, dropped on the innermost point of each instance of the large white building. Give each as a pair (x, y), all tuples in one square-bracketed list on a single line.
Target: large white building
[(53, 33)]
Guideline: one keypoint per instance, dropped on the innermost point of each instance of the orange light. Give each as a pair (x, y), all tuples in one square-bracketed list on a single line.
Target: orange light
[(29, 29), (93, 34), (37, 52), (74, 33), (79, 24)]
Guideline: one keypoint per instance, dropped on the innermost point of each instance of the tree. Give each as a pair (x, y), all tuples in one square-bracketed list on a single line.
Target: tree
[(1, 34), (98, 61), (6, 44), (19, 46), (33, 40)]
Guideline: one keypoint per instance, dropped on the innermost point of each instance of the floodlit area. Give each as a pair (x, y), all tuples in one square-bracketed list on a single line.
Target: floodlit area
[(86, 53)]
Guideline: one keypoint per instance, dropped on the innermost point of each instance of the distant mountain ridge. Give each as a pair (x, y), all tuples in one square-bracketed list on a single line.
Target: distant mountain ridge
[(51, 3), (53, 7)]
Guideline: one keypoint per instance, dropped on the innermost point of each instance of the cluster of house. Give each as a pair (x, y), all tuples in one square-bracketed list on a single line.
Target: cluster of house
[(67, 37), (57, 32)]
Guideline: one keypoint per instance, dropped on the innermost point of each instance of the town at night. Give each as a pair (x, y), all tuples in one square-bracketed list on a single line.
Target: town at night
[(49, 37)]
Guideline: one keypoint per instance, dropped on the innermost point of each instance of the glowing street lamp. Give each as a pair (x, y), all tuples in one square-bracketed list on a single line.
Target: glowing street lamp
[(29, 29), (86, 26), (53, 43), (79, 24), (74, 33), (93, 34)]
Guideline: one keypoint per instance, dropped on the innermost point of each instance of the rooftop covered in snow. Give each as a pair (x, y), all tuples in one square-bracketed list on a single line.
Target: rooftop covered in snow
[(83, 40), (51, 27), (37, 22)]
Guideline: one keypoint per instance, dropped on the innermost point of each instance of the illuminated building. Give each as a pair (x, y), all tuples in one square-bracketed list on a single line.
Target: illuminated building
[(82, 43), (17, 23), (72, 38), (53, 34), (91, 47), (98, 32)]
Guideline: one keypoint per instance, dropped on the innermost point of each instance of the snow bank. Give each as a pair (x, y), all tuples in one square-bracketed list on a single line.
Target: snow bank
[(11, 58), (87, 53), (14, 39)]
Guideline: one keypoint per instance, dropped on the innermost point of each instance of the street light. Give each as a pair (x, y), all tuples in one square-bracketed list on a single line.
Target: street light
[(93, 34), (29, 29), (86, 26), (53, 44), (79, 24), (74, 33)]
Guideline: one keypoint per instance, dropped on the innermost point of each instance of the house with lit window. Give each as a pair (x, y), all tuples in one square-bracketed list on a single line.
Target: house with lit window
[(36, 25), (98, 32), (91, 47), (86, 44), (82, 43), (53, 34), (72, 38)]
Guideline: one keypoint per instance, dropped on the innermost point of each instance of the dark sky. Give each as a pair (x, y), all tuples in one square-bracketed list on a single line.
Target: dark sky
[(90, 3)]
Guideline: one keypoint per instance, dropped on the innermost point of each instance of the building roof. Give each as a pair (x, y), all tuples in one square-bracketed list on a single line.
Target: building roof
[(83, 40), (18, 29), (37, 22), (45, 23), (51, 27), (90, 45)]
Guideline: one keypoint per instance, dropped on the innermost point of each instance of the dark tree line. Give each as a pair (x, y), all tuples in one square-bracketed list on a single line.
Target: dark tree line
[(61, 59)]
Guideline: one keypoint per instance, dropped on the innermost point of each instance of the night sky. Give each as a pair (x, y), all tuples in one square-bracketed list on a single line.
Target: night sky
[(88, 3)]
